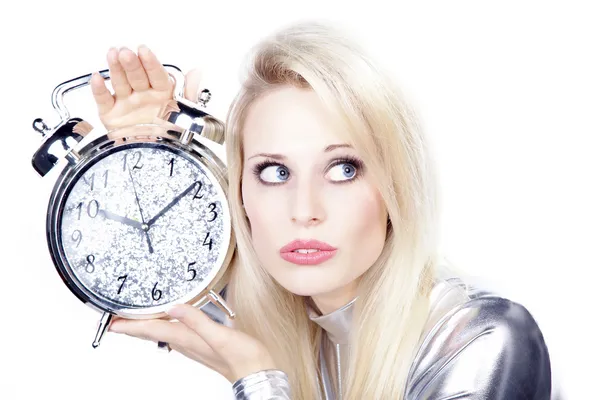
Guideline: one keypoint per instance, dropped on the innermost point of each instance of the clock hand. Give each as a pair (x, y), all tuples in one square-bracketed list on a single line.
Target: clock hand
[(127, 221), (150, 249), (172, 203), (145, 226)]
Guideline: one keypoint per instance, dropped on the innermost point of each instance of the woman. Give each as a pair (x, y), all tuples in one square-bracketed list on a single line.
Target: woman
[(336, 281)]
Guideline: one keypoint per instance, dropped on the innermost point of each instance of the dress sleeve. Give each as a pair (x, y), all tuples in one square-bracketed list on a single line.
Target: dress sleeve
[(488, 348)]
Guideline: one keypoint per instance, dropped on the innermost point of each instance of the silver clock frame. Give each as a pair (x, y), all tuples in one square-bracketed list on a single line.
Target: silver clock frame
[(184, 136)]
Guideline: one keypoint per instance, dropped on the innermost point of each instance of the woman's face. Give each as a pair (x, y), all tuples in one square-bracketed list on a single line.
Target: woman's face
[(302, 182)]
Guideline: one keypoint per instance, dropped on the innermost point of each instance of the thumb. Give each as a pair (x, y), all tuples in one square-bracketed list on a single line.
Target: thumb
[(215, 335), (193, 79), (227, 342)]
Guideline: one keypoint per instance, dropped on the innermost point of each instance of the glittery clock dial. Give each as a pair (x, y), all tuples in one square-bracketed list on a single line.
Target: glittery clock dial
[(143, 226)]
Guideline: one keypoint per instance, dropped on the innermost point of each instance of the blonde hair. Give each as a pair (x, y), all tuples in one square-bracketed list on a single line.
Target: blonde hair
[(392, 306)]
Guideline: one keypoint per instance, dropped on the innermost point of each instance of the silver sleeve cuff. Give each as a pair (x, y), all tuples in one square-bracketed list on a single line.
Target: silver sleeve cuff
[(263, 385)]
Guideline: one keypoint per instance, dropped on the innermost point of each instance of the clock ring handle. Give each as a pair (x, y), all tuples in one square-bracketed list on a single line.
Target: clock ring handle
[(61, 90)]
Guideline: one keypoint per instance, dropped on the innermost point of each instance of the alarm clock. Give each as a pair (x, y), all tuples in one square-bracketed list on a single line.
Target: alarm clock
[(138, 218)]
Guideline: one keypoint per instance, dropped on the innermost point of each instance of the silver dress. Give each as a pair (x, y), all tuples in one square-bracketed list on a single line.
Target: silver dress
[(476, 345)]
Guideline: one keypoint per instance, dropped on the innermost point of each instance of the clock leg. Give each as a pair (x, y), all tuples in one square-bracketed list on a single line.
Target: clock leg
[(102, 326), (220, 302)]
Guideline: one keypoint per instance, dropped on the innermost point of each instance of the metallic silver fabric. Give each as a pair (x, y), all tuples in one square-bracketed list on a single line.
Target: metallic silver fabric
[(475, 346), (262, 385), (334, 349)]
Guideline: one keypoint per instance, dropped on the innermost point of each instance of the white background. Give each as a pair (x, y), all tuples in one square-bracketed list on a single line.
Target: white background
[(508, 92)]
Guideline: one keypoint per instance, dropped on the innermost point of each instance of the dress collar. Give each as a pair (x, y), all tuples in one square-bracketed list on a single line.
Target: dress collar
[(337, 323)]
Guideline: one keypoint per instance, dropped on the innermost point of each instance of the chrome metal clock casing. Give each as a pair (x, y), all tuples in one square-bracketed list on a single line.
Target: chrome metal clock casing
[(182, 129), (146, 135)]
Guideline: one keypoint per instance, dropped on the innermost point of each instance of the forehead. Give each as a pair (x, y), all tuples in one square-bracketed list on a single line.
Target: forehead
[(289, 119)]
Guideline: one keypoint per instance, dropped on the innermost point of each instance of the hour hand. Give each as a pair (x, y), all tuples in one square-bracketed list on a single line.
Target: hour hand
[(124, 220)]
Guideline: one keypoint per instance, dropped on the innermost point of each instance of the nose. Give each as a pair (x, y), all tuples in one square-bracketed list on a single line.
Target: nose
[(306, 206)]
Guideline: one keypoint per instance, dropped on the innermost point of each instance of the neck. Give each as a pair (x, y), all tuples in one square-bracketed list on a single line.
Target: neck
[(331, 301)]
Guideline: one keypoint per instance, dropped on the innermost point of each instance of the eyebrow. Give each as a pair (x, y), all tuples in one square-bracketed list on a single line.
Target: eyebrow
[(275, 156)]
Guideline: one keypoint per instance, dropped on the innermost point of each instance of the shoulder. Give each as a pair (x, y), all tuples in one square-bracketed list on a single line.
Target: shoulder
[(479, 345)]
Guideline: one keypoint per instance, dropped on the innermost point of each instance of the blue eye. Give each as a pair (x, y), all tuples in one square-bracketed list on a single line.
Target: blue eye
[(274, 174), (342, 172)]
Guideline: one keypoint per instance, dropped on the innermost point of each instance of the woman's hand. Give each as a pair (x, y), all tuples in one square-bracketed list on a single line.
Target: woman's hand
[(226, 350), (142, 88)]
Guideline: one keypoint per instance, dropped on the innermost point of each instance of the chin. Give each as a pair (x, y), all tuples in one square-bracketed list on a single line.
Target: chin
[(307, 280)]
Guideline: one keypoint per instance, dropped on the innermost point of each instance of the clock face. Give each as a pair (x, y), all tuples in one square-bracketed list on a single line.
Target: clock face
[(144, 226)]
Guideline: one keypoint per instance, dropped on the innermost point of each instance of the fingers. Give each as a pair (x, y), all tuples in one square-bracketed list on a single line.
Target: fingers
[(135, 72), (129, 72), (118, 77), (192, 83), (156, 72), (176, 334), (102, 96)]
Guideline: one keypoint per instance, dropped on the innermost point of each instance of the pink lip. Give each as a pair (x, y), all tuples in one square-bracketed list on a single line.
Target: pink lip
[(324, 252)]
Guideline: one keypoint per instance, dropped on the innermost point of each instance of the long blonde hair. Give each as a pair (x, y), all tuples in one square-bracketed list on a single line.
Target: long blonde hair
[(392, 306)]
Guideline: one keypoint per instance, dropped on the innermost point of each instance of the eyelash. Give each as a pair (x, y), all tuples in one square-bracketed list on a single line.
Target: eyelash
[(258, 168), (355, 162)]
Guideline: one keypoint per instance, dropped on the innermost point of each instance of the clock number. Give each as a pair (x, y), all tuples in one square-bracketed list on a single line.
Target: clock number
[(124, 278), (156, 294), (198, 191), (209, 244), (76, 236), (139, 154), (192, 270), (91, 181), (89, 268), (89, 209), (79, 206), (136, 166), (172, 162), (97, 206), (212, 207)]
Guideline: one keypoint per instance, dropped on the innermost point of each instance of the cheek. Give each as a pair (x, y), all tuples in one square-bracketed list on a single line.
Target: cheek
[(362, 222), (263, 208)]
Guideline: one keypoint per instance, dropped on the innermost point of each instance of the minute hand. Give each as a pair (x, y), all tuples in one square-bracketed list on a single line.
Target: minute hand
[(171, 204)]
